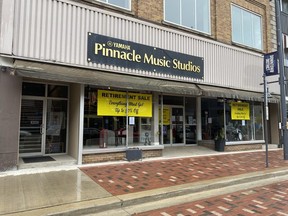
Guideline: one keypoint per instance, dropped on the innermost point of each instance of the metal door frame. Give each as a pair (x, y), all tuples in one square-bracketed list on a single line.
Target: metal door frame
[(43, 133), (170, 131)]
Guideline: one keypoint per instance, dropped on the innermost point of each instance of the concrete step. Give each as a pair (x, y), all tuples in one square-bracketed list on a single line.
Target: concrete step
[(148, 200)]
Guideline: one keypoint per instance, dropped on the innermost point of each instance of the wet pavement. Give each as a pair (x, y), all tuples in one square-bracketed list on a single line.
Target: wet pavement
[(270, 200), (109, 186), (31, 191)]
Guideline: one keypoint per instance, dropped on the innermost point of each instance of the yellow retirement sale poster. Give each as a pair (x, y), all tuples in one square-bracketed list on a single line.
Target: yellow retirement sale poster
[(114, 103)]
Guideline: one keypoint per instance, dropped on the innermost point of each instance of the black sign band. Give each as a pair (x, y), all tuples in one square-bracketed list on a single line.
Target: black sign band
[(113, 51)]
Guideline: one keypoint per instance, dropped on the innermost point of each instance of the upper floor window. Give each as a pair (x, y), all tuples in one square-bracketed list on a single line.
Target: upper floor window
[(194, 14), (284, 6), (246, 28), (126, 4)]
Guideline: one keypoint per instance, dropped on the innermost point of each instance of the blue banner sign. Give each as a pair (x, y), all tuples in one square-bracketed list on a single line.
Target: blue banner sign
[(112, 51), (271, 64)]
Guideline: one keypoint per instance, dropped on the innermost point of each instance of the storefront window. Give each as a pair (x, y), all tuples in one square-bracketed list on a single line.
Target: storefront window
[(190, 120), (106, 123), (212, 117), (243, 121)]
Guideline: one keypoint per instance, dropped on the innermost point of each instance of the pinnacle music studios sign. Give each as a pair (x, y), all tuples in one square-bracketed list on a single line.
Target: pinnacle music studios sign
[(112, 51)]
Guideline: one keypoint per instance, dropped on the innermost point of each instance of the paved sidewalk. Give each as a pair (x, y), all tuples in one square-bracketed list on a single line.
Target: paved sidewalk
[(104, 187), (142, 176)]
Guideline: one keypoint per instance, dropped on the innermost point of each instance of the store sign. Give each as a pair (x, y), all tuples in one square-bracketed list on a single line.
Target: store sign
[(240, 111), (126, 54), (166, 116), (114, 103), (271, 64)]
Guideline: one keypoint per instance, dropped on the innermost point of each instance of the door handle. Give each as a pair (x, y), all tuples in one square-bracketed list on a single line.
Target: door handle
[(41, 129)]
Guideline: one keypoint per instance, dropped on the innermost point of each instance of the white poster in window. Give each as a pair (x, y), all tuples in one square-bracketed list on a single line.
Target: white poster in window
[(243, 122), (209, 120), (131, 120)]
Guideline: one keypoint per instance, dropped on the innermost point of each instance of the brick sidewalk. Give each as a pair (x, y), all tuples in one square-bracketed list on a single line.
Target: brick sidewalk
[(146, 175), (270, 200)]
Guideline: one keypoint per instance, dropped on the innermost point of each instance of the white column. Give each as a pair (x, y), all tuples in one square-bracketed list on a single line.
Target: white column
[(198, 118), (155, 120)]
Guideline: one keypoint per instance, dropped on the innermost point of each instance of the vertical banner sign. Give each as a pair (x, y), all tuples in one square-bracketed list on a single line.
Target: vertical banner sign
[(271, 64), (240, 111), (114, 103)]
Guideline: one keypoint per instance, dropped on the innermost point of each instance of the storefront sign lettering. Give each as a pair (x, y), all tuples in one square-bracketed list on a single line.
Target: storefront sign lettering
[(240, 111), (112, 51), (112, 103)]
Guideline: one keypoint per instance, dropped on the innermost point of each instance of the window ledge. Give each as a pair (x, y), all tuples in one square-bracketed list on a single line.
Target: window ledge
[(110, 6), (247, 47), (245, 142), (191, 30), (122, 149)]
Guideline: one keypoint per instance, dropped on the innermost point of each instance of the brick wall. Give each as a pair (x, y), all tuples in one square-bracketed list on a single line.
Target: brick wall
[(229, 148), (243, 147), (153, 10), (117, 156)]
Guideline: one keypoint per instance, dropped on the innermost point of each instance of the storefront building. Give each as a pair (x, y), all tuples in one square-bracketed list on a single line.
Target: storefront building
[(92, 79)]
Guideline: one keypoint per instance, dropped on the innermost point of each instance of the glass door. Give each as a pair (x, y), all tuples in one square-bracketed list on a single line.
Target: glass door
[(173, 124), (56, 131), (177, 125), (31, 127)]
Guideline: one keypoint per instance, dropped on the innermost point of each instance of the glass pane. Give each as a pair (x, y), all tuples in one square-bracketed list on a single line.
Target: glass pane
[(237, 25), (285, 6), (120, 3), (212, 112), (33, 89), (166, 134), (188, 14), (247, 29), (258, 114), (257, 32), (145, 131), (202, 15), (190, 120), (31, 126), (172, 11), (172, 100), (238, 130), (177, 125), (58, 91), (56, 131)]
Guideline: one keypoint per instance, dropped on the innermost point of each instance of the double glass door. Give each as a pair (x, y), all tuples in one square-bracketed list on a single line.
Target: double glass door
[(43, 124), (173, 125)]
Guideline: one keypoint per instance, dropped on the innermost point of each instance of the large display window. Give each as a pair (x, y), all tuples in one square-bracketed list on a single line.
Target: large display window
[(241, 120), (116, 119), (244, 121)]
